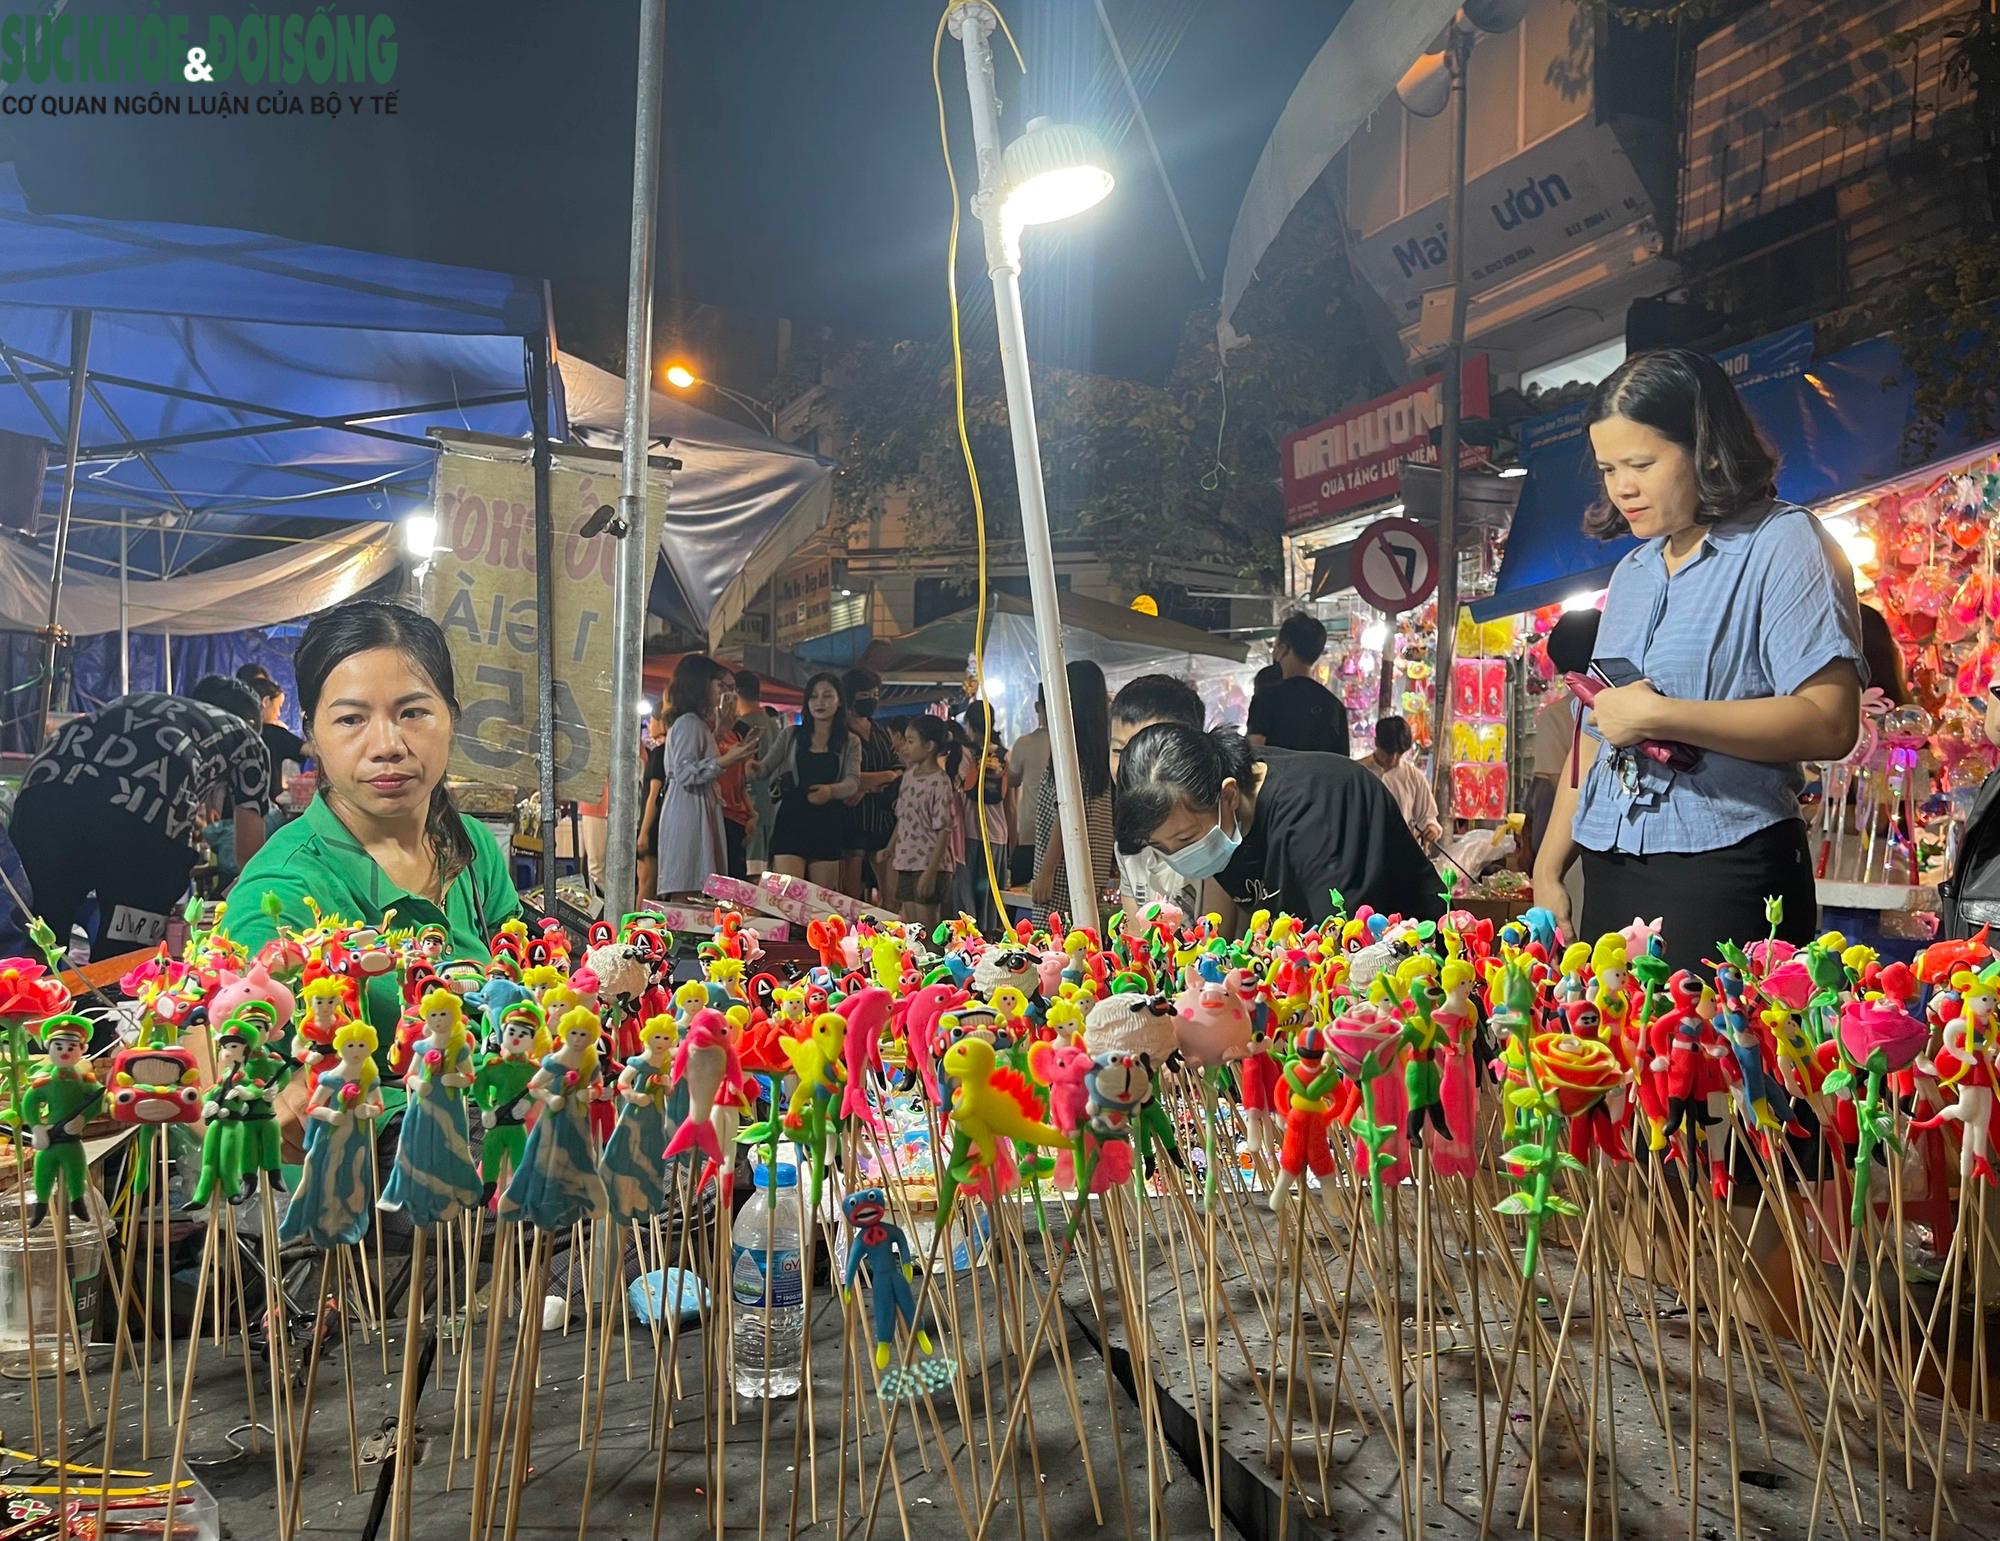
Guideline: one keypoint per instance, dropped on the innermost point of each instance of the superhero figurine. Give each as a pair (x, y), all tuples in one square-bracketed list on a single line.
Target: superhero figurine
[(1757, 1087), (1967, 1061), (1308, 1084), (1257, 1078), (58, 1103), (880, 1243)]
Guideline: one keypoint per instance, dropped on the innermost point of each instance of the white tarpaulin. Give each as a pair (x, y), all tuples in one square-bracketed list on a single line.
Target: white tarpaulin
[(1351, 75), (742, 501), (290, 582)]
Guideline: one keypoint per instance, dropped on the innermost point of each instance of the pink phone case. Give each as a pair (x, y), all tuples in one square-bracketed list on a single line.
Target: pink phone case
[(1672, 755)]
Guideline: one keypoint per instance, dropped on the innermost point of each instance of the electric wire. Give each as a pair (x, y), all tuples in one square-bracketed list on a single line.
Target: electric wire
[(965, 438)]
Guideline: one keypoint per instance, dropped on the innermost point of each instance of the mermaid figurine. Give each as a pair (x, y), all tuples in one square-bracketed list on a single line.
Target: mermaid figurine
[(635, 1174), (557, 1183), (331, 1206), (434, 1176)]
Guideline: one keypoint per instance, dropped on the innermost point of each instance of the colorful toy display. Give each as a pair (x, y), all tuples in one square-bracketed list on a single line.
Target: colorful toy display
[(1365, 1119)]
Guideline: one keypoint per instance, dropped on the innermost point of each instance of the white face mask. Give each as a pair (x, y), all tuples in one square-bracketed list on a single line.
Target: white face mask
[(1206, 857)]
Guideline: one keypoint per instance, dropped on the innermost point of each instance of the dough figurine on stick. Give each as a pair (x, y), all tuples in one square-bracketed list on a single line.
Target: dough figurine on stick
[(59, 1102), (434, 1178)]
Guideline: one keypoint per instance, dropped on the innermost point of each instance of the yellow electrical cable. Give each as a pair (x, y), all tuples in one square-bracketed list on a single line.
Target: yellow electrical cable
[(964, 436)]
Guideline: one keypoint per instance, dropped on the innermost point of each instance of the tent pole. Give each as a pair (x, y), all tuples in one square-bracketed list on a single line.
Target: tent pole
[(166, 637), (124, 608), (79, 363), (635, 557), (545, 634)]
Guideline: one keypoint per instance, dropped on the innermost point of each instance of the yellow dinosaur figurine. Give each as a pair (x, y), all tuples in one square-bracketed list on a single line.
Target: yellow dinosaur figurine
[(992, 1103)]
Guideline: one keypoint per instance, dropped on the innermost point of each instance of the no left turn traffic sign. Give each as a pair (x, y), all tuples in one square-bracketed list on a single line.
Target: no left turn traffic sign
[(1395, 565)]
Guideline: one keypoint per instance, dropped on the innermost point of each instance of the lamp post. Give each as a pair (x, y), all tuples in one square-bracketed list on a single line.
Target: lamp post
[(1437, 81), (681, 378), (1051, 172)]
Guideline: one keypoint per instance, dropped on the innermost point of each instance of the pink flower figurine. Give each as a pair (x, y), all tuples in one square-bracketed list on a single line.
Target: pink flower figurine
[(1868, 1028)]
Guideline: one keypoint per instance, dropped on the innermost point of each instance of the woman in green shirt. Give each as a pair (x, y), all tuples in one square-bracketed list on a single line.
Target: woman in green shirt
[(377, 702)]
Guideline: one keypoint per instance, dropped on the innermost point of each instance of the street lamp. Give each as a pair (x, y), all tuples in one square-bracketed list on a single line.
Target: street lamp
[(765, 416), (1052, 171), (1437, 81)]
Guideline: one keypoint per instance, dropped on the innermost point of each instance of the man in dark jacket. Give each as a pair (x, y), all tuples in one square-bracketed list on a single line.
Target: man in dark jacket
[(1971, 896)]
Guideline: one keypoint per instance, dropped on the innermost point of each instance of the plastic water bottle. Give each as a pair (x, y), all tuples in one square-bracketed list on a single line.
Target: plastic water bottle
[(768, 1266)]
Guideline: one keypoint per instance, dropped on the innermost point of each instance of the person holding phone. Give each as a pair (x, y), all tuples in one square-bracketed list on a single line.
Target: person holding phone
[(1729, 650)]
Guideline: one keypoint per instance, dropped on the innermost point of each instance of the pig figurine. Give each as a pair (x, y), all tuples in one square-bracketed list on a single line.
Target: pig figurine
[(1212, 1021)]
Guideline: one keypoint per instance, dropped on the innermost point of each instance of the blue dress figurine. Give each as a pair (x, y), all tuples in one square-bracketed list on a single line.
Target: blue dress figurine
[(635, 1171), (330, 1207), (557, 1182), (435, 1177)]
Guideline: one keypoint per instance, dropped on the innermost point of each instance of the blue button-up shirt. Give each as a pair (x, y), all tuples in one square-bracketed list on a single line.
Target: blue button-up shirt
[(1764, 604)]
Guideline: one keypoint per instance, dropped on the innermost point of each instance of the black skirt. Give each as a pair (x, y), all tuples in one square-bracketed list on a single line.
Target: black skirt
[(1704, 898)]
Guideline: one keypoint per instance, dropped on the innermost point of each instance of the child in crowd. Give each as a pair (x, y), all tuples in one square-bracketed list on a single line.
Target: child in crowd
[(929, 839)]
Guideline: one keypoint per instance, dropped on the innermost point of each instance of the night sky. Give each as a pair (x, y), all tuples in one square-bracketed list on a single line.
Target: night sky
[(802, 173)]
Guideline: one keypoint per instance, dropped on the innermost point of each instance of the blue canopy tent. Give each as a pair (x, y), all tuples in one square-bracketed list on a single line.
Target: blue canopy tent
[(1837, 424), (214, 388), (242, 391)]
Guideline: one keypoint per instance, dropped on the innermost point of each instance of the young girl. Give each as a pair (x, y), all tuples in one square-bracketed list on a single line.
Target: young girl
[(929, 839)]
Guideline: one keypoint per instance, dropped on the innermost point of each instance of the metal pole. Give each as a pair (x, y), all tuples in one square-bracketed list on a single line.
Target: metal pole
[(635, 556), (124, 607), (1453, 403), (973, 25), (545, 634), (79, 364)]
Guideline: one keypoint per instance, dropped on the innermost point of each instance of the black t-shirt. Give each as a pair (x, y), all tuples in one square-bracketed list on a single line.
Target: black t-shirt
[(161, 757), (656, 770), (1325, 822), (875, 815), (281, 744), (1300, 713)]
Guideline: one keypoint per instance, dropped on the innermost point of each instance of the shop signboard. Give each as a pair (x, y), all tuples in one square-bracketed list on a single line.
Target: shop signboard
[(804, 603), (1355, 458), (1554, 198), (480, 587)]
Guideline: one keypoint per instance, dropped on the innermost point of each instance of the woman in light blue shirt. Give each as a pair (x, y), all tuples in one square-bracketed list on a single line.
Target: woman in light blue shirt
[(1738, 618)]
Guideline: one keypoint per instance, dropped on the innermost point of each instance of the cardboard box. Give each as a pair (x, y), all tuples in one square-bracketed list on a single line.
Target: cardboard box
[(803, 903), (699, 920), (746, 896)]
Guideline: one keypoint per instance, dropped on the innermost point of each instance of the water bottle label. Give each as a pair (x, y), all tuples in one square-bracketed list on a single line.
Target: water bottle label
[(747, 1274)]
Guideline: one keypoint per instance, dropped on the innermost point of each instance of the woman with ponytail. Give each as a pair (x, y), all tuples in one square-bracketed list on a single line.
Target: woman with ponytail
[(378, 704)]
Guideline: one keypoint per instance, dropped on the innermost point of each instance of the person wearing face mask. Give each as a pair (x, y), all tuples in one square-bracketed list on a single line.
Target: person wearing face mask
[(1270, 828), (1734, 631)]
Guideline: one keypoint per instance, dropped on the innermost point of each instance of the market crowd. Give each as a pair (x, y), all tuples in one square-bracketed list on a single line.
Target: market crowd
[(924, 814)]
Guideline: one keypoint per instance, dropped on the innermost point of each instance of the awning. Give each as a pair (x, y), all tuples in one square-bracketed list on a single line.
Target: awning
[(1837, 424), (742, 502)]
